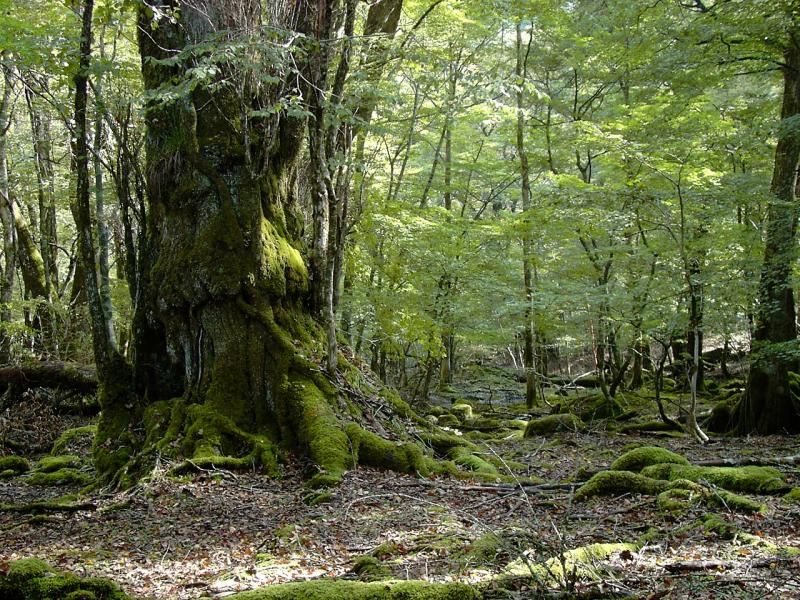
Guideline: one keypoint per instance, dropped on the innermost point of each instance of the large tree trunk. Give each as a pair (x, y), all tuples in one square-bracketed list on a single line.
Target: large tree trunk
[(768, 406), (223, 334)]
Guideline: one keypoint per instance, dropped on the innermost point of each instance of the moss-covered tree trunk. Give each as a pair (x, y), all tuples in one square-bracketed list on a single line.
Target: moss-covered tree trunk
[(223, 333), (6, 215), (769, 406)]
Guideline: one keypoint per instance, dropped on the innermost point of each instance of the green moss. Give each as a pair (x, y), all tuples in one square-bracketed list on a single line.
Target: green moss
[(70, 435), (369, 568), (400, 406), (60, 477), (14, 464), (462, 411), (385, 550), (352, 590), (681, 499), (616, 483), (677, 500), (486, 548), (33, 579), (318, 429), (734, 502), (317, 497), (748, 479), (448, 420), (793, 497), (553, 423), (638, 458), (579, 562), (373, 450), (483, 424), (464, 457), (49, 464), (713, 523)]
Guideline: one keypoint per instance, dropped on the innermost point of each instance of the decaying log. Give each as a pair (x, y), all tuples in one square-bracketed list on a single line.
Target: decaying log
[(52, 374)]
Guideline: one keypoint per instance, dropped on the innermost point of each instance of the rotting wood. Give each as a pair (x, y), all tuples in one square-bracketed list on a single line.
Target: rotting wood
[(51, 374)]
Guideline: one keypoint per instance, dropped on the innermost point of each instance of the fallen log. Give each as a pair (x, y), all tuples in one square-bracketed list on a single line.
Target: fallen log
[(51, 374)]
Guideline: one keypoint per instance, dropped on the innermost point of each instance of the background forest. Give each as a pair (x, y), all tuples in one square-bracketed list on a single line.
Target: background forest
[(231, 228), (578, 180)]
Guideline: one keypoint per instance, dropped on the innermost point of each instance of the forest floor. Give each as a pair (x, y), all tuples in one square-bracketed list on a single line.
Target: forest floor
[(217, 532)]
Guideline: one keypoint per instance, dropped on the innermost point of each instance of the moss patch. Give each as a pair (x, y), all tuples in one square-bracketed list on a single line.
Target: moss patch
[(681, 499), (66, 439), (462, 411), (371, 449), (750, 479), (485, 549), (793, 497), (579, 562), (14, 464), (553, 423), (638, 458), (50, 464), (370, 568), (60, 477), (448, 420), (33, 579), (352, 590), (616, 483)]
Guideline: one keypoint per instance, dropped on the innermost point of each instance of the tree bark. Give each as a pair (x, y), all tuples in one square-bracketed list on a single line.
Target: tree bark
[(223, 333), (768, 405), (527, 243), (7, 217)]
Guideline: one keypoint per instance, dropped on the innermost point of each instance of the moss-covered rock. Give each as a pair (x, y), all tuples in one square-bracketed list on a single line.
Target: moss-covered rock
[(370, 568), (793, 497), (722, 415), (71, 436), (750, 479), (33, 579), (59, 477), (49, 464), (14, 464), (448, 420), (554, 423), (353, 590), (462, 411), (638, 458), (616, 483)]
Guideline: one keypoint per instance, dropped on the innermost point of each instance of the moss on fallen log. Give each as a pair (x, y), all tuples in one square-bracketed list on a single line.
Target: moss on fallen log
[(756, 480), (637, 459), (353, 590)]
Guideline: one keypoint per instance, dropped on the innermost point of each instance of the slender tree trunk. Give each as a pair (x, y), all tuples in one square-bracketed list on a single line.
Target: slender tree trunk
[(102, 221), (527, 243), (45, 177), (6, 216)]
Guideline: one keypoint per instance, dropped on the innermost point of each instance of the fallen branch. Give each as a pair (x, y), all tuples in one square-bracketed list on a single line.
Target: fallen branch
[(750, 462), (45, 506), (52, 374), (698, 565)]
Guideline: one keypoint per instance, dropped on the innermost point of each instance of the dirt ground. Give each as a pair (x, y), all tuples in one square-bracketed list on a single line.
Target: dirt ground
[(217, 532)]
